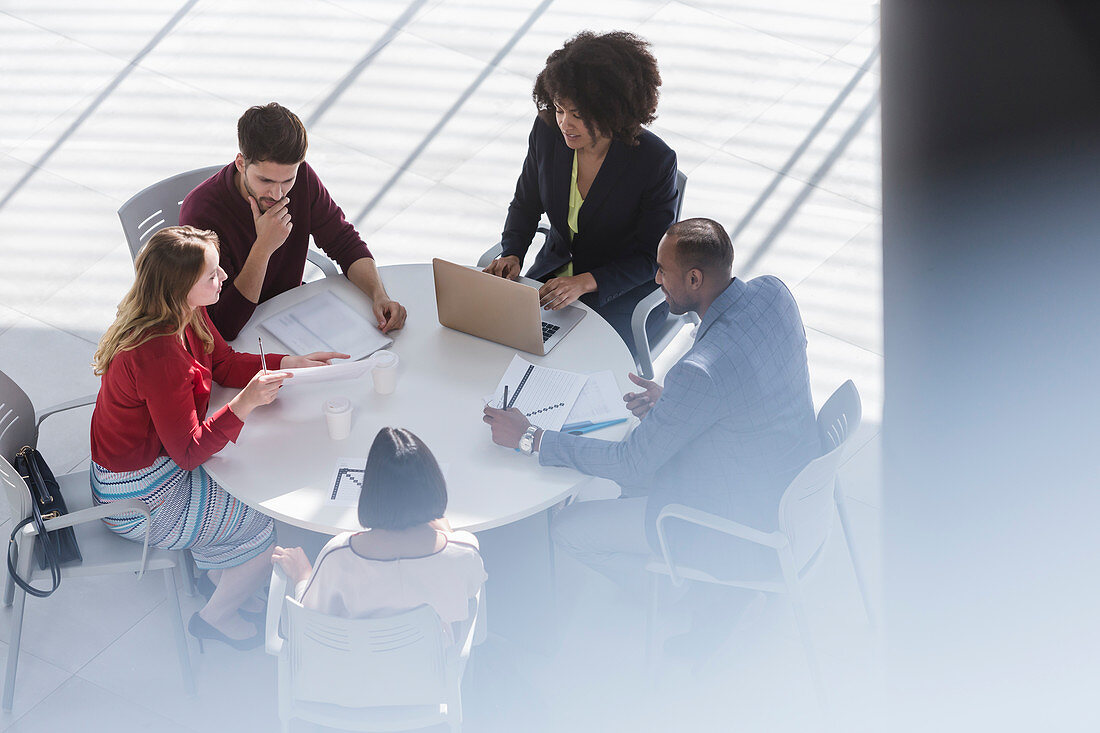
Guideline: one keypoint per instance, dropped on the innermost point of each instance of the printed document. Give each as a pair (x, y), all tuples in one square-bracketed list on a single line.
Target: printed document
[(326, 323), (544, 395)]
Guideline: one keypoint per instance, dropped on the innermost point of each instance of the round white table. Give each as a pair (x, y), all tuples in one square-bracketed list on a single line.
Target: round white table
[(283, 462)]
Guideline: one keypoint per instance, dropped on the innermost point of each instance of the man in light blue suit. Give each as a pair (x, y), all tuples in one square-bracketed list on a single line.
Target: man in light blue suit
[(732, 426)]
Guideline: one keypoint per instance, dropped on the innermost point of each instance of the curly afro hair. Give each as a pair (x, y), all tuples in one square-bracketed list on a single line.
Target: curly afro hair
[(611, 77)]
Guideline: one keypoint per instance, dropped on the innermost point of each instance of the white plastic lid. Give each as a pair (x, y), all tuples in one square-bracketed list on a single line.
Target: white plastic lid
[(336, 405)]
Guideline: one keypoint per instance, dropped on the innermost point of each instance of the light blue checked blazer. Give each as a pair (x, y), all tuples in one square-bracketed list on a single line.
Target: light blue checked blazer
[(734, 424)]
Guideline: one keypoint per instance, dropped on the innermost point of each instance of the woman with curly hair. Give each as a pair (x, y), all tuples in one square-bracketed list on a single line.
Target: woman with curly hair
[(607, 185)]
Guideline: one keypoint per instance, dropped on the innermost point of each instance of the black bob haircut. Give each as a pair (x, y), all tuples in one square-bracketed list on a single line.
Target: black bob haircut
[(402, 483)]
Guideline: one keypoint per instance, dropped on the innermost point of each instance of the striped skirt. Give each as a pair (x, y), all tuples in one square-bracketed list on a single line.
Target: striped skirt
[(189, 511)]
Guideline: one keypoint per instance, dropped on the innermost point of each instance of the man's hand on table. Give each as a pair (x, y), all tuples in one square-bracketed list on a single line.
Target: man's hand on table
[(390, 314), (508, 426)]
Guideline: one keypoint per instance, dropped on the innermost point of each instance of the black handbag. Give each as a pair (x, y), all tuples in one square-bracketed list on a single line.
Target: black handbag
[(54, 548)]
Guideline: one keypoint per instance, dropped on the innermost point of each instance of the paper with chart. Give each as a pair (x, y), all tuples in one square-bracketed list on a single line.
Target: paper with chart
[(326, 323), (600, 400), (544, 395), (347, 482)]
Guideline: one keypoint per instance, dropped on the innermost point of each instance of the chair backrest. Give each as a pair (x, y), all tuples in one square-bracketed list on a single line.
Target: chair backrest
[(17, 429), (369, 662), (681, 186), (158, 206), (806, 508)]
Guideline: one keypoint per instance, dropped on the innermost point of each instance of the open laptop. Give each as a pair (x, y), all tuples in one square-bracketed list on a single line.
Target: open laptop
[(497, 309)]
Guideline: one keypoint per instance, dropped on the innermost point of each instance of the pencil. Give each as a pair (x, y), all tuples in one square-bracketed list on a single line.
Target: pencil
[(263, 359), (504, 404)]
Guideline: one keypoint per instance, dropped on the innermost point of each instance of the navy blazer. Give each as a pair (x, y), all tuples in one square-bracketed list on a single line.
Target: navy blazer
[(630, 205)]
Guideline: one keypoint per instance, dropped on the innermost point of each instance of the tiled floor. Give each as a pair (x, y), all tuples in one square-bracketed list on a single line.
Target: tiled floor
[(418, 115)]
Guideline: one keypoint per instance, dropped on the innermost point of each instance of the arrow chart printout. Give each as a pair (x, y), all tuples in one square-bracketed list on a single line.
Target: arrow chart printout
[(347, 482), (544, 395)]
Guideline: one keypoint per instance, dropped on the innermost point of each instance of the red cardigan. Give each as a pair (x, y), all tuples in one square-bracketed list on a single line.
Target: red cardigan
[(152, 402)]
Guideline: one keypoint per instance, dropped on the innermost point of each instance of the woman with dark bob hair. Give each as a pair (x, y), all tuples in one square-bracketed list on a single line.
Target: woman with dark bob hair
[(607, 185), (409, 556)]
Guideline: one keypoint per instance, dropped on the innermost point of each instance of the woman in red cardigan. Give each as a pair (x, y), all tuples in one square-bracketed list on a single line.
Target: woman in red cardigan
[(150, 431)]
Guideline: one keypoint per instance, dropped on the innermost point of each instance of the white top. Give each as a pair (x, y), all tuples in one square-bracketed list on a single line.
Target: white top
[(344, 583), (282, 463)]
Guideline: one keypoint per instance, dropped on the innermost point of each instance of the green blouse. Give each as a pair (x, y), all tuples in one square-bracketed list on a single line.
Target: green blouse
[(575, 202)]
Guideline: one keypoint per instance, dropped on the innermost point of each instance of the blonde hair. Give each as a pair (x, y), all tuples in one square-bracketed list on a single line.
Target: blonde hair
[(167, 267)]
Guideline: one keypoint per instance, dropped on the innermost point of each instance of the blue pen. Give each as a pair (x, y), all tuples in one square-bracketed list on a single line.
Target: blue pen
[(595, 426)]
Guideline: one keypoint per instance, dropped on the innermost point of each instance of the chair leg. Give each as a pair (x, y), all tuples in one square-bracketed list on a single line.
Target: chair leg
[(23, 567), (790, 575), (181, 637), (187, 570), (9, 585), (651, 621), (845, 528), (13, 648)]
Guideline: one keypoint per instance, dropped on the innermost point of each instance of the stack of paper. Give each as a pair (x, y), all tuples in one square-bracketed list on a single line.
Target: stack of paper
[(326, 323), (551, 398)]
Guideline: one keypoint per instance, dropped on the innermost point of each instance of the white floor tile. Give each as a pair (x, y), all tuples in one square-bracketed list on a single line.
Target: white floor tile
[(843, 297), (482, 29), (858, 51), (34, 681), (490, 174), (392, 109), (150, 127), (445, 223), (46, 77), (396, 13), (89, 304), (53, 231), (822, 26), (371, 191), (825, 130), (51, 366), (235, 690), (719, 75), (84, 616), (832, 362), (229, 49), (121, 29), (780, 226), (79, 705)]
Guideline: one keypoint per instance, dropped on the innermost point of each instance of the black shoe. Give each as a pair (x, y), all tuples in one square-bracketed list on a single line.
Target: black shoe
[(200, 629)]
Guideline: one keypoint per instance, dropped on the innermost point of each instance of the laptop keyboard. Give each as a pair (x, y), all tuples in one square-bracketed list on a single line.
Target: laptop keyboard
[(548, 330)]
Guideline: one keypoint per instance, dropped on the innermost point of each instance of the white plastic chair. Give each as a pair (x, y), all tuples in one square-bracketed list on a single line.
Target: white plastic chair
[(647, 345), (104, 552), (158, 206), (370, 674), (805, 519)]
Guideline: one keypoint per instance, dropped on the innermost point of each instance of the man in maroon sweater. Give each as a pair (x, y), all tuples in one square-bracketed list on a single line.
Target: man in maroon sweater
[(264, 206)]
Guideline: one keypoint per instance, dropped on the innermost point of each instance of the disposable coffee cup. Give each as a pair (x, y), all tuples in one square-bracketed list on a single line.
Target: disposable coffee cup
[(338, 417), (384, 372)]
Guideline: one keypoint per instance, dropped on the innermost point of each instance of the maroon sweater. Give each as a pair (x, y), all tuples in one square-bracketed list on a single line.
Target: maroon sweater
[(152, 402), (216, 204)]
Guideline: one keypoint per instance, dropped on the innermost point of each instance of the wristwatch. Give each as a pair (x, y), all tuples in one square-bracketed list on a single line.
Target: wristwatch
[(527, 440)]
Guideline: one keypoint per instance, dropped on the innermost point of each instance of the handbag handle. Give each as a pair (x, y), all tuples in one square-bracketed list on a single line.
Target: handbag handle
[(47, 546), (37, 481)]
